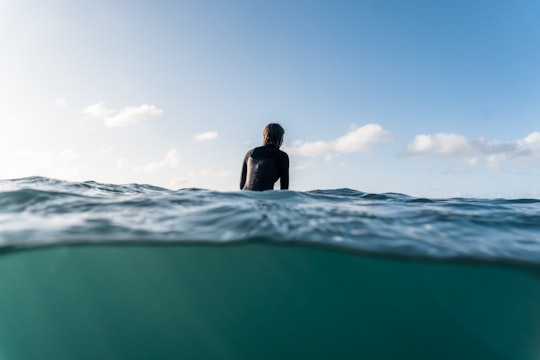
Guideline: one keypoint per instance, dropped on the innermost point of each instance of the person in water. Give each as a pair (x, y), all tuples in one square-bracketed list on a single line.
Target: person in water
[(265, 164)]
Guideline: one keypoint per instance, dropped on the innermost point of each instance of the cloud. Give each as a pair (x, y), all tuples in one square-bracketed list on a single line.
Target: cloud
[(61, 103), (360, 139), (132, 115), (128, 116), (67, 155), (98, 110), (456, 145), (440, 144), (206, 136), (170, 160), (531, 142)]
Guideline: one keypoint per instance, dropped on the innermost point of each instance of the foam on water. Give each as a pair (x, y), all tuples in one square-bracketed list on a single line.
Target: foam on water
[(39, 211)]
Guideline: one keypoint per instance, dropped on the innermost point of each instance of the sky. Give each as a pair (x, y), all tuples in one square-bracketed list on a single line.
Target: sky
[(422, 97)]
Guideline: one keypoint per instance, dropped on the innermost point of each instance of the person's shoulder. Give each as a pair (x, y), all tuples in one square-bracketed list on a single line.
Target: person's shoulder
[(256, 150), (249, 153), (283, 154)]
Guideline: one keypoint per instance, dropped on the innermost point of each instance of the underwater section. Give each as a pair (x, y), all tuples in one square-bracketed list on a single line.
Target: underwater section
[(261, 301)]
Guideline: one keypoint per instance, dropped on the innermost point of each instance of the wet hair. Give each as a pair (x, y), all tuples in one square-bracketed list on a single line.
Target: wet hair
[(273, 134)]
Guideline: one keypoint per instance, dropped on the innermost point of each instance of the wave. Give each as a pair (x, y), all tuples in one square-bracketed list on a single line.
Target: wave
[(39, 211)]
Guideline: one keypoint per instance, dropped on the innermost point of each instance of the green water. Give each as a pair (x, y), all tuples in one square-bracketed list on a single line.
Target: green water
[(256, 301)]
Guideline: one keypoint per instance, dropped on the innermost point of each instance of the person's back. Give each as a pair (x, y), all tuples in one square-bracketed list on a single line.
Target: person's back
[(264, 165)]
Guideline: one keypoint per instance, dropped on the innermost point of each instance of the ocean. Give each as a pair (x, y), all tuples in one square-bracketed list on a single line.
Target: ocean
[(104, 271)]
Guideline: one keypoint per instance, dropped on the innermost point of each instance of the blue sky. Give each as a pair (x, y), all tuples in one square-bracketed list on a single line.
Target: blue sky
[(427, 98)]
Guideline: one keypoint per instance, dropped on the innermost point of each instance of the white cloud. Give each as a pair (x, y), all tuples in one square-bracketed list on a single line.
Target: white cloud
[(67, 155), (440, 144), (494, 160), (360, 139), (455, 145), (61, 103), (132, 115), (98, 110), (205, 136), (170, 160), (128, 116), (530, 142)]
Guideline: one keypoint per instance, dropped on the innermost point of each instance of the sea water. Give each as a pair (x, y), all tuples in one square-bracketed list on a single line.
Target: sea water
[(101, 271)]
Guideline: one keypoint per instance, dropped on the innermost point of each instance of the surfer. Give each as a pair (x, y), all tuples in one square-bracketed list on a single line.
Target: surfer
[(265, 164)]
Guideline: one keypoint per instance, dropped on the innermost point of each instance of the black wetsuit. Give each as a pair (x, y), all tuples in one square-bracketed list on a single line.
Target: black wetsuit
[(262, 167)]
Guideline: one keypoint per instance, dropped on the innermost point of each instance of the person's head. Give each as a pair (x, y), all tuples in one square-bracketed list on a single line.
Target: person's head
[(273, 134)]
